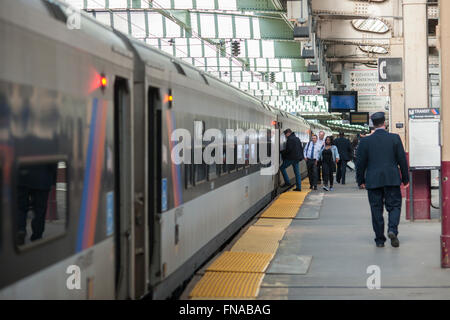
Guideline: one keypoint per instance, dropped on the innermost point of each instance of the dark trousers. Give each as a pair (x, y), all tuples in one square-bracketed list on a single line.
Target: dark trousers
[(327, 173), (312, 172), (35, 200), (319, 170), (294, 163), (391, 197), (341, 170)]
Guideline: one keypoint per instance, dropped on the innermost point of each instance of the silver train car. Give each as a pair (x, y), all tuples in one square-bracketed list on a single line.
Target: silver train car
[(92, 205)]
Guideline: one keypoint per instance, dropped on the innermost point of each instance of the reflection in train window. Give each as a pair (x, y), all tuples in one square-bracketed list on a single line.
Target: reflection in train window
[(41, 207), (188, 168), (200, 168), (240, 156), (200, 173)]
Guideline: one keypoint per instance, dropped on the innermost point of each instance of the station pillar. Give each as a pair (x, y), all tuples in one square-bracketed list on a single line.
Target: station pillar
[(444, 44), (415, 33)]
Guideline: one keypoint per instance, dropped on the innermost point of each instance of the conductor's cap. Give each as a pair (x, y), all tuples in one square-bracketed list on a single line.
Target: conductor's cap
[(377, 117)]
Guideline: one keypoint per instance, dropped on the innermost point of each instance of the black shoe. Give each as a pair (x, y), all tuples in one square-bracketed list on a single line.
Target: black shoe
[(338, 181), (35, 237), (394, 240), (315, 187), (285, 185), (297, 189), (311, 187), (380, 245)]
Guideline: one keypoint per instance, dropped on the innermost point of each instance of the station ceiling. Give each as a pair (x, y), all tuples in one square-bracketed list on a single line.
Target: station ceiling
[(248, 43)]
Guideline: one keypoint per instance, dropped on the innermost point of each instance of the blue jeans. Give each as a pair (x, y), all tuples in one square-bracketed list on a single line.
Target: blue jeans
[(294, 163)]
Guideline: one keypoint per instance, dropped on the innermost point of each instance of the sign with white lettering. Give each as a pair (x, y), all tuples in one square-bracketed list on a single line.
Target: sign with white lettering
[(311, 90), (424, 139), (365, 80)]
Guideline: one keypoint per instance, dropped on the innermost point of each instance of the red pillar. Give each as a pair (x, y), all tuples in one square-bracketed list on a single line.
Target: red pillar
[(421, 195), (444, 48), (445, 234)]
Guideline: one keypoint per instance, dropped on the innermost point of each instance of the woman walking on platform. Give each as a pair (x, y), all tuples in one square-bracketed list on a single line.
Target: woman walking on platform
[(330, 156)]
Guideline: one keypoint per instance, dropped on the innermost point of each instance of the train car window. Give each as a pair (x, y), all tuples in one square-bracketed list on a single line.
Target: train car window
[(41, 207), (240, 160), (188, 176), (224, 169), (179, 68), (200, 169), (232, 167), (212, 170), (189, 170), (247, 154)]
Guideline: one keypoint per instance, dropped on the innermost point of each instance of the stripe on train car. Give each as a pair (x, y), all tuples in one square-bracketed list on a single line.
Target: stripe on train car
[(92, 175), (176, 169)]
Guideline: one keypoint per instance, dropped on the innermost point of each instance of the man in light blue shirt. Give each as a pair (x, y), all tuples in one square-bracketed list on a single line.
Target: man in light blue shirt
[(311, 154), (320, 144)]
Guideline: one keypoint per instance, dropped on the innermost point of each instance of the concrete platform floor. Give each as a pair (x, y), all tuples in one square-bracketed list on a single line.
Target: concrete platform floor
[(341, 243)]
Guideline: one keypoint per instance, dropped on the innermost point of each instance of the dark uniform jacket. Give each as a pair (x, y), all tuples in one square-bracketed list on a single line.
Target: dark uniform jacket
[(378, 160), (345, 148), (294, 149)]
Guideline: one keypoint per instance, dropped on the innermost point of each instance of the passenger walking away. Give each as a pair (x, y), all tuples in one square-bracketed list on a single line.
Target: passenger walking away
[(311, 155), (379, 157), (292, 155), (345, 152), (320, 143), (329, 155)]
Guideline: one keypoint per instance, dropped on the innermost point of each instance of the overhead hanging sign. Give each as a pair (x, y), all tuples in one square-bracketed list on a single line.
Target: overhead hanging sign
[(311, 90)]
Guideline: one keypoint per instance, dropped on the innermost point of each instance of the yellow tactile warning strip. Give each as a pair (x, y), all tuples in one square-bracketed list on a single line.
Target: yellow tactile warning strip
[(281, 211), (275, 223), (238, 273), (259, 239), (228, 285), (232, 261)]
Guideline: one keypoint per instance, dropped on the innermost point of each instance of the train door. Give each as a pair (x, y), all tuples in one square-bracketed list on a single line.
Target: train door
[(140, 154), (154, 177), (280, 144), (122, 169)]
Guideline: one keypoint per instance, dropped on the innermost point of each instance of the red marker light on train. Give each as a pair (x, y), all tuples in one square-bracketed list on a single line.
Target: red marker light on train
[(103, 81), (274, 123)]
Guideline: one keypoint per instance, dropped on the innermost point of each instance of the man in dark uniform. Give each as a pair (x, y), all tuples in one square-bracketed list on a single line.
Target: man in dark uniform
[(292, 155), (345, 153), (379, 157), (34, 184)]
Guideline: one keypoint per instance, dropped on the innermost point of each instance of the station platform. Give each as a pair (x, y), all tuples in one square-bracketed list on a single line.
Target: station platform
[(323, 251)]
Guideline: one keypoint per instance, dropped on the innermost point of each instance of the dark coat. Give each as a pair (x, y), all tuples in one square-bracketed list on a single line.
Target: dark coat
[(378, 160), (294, 149), (345, 148)]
